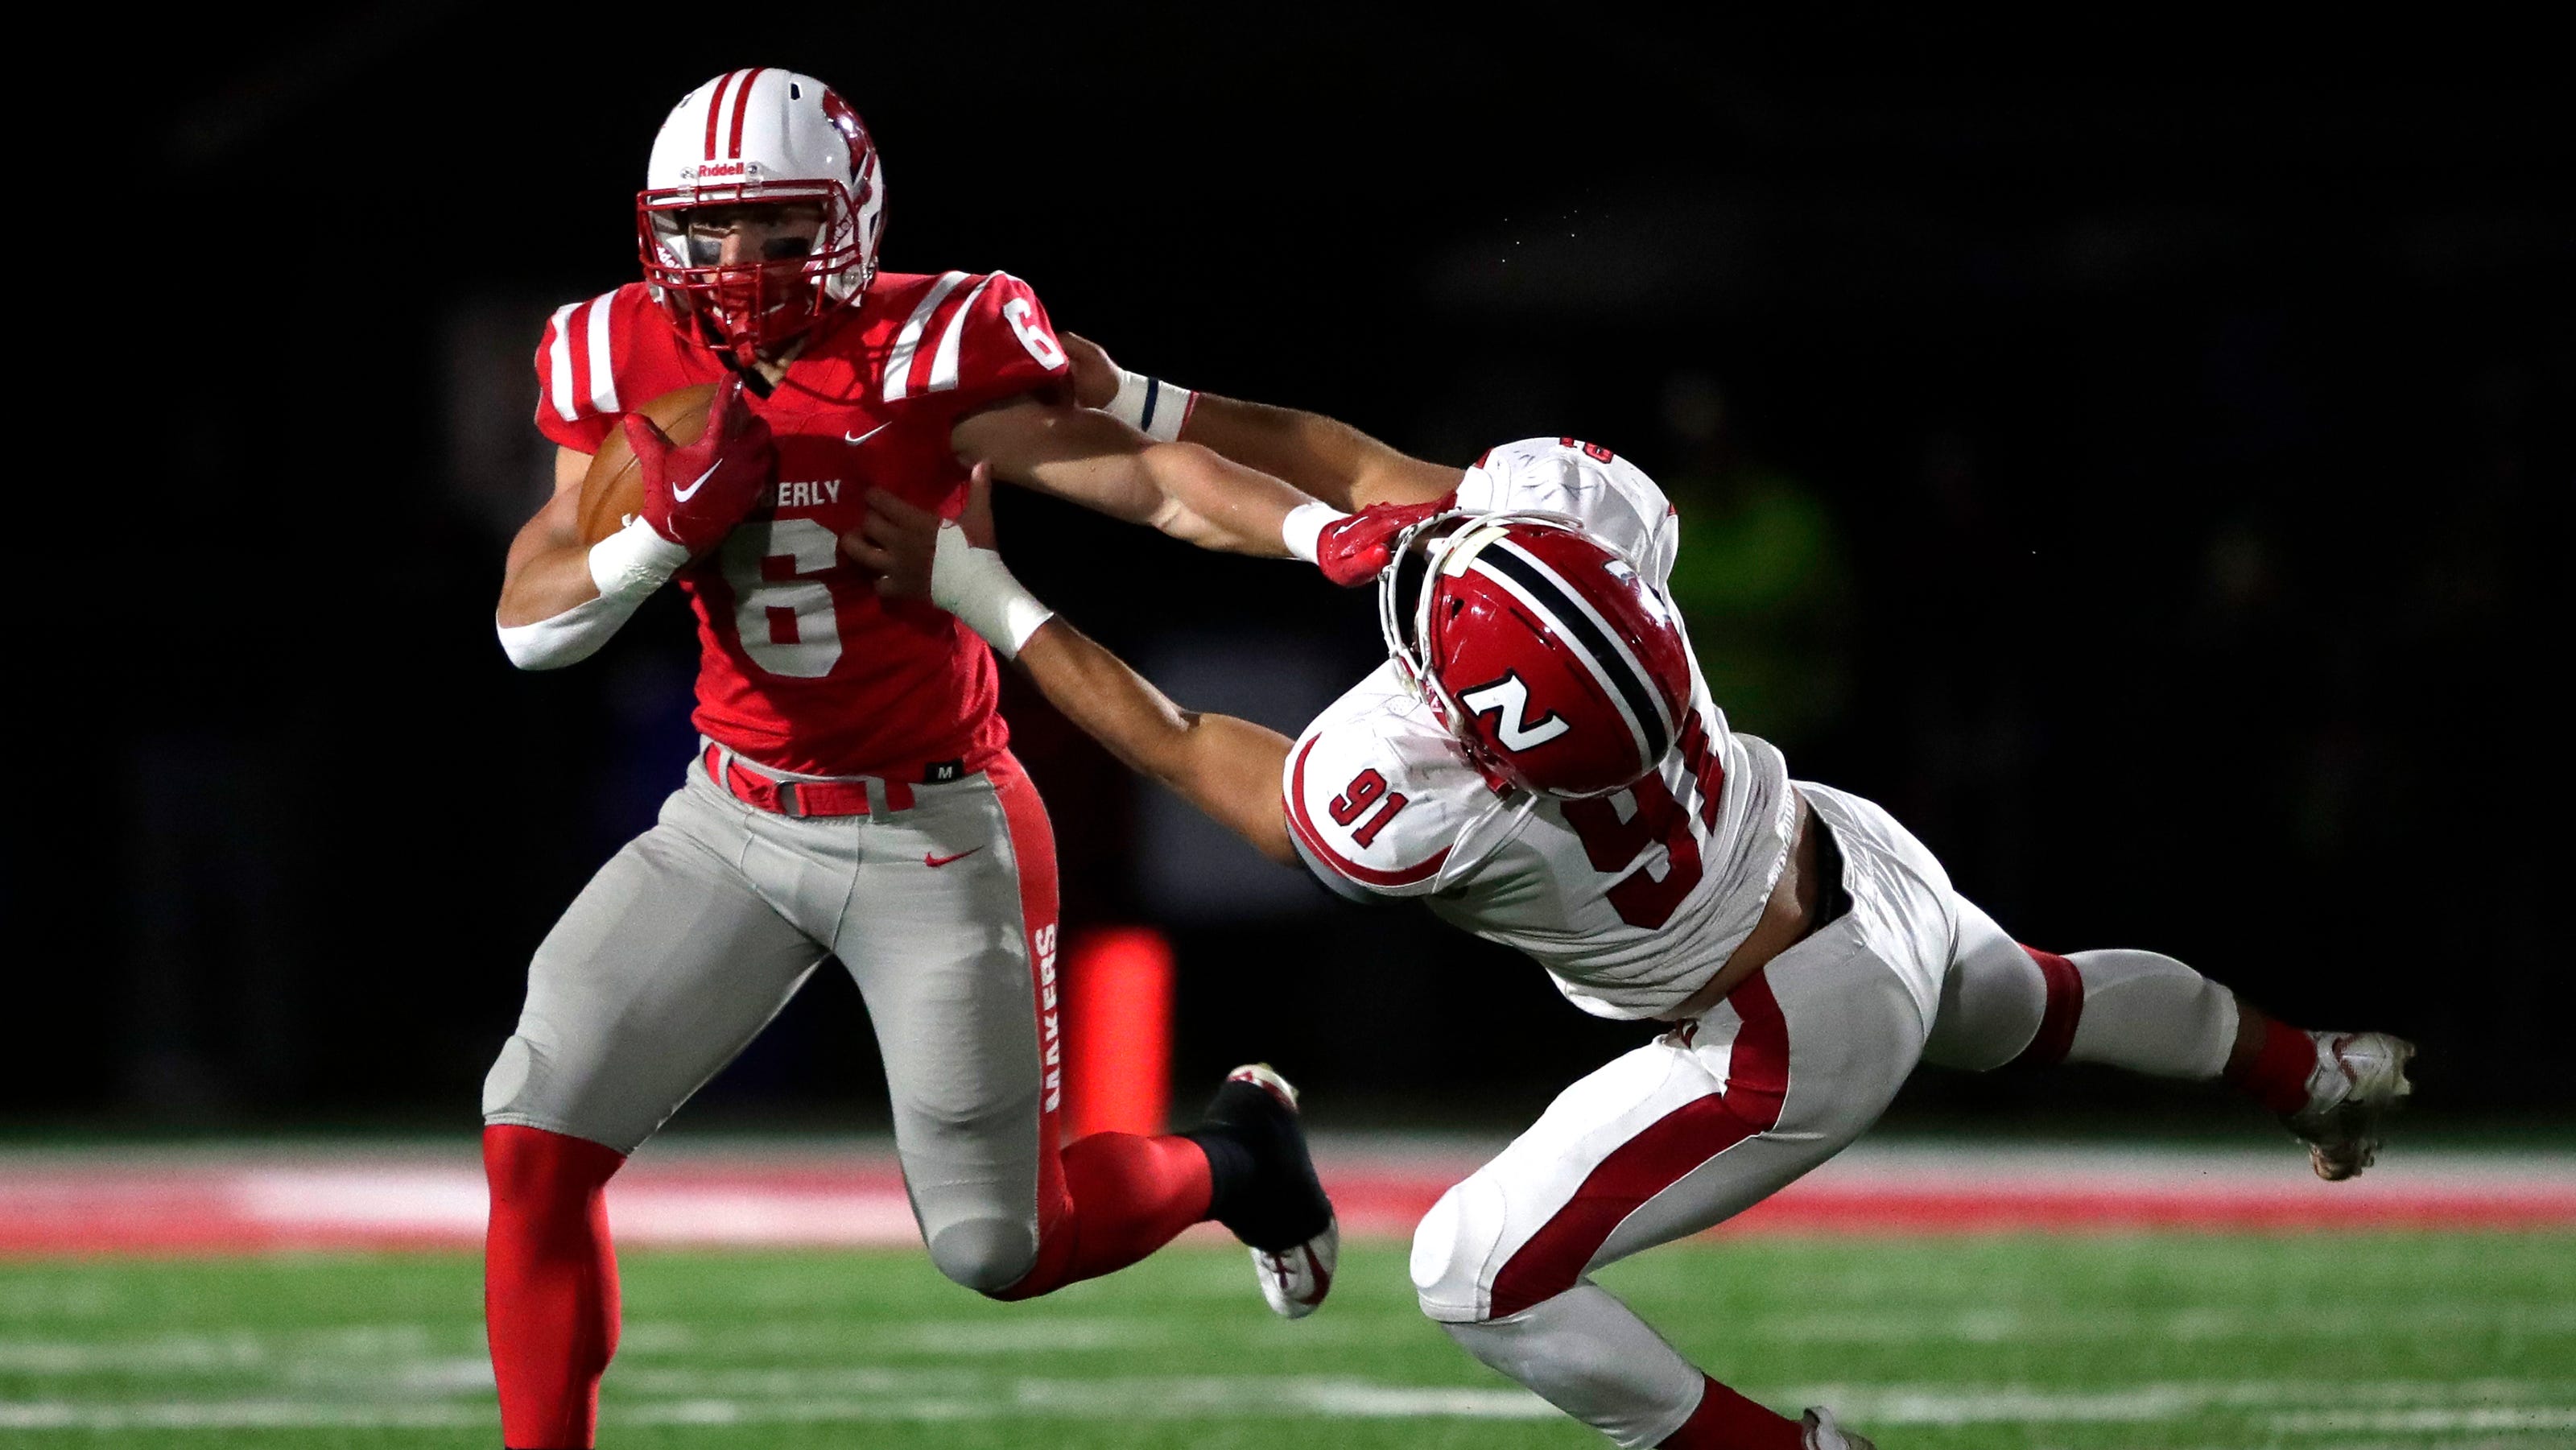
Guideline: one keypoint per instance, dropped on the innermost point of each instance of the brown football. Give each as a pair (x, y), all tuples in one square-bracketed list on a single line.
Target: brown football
[(613, 490)]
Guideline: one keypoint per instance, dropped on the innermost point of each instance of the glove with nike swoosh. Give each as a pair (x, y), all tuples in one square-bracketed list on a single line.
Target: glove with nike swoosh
[(694, 493)]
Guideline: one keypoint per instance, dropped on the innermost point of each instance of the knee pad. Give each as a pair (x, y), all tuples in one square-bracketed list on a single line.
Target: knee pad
[(987, 1255), (507, 1082), (1450, 1247)]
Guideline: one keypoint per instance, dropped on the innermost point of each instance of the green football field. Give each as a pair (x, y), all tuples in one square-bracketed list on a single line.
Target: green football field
[(2415, 1341)]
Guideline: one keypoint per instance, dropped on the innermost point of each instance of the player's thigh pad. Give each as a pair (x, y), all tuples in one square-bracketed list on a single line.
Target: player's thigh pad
[(664, 967), (957, 964), (1680, 1134)]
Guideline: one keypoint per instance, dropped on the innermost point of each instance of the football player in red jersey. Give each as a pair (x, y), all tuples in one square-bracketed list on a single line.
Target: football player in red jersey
[(1539, 761), (854, 795)]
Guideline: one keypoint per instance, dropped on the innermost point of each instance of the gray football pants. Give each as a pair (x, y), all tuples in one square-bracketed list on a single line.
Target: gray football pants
[(695, 934)]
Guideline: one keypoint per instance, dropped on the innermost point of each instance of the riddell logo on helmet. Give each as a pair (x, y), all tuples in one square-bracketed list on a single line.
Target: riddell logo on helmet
[(718, 170)]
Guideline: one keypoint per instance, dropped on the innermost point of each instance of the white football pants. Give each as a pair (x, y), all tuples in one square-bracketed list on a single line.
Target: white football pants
[(1714, 1116), (695, 934)]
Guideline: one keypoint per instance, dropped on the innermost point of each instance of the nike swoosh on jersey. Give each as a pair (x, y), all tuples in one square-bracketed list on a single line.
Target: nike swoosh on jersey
[(855, 439), (933, 860), (683, 495)]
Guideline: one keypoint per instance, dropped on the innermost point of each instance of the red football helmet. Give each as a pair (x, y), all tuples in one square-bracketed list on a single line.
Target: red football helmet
[(745, 138), (1556, 666)]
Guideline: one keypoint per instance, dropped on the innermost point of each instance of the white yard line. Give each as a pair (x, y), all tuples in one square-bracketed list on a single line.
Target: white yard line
[(2299, 1408)]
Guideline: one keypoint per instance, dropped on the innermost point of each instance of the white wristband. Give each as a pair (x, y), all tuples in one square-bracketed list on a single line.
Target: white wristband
[(1151, 406), (634, 561), (976, 586), (1304, 527)]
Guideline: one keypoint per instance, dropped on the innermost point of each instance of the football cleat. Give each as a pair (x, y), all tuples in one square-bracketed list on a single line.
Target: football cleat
[(2360, 1077), (1268, 1194), (1823, 1434), (1295, 1281)]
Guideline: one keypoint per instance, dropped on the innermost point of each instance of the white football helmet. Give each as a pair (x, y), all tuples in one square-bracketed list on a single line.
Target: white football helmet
[(749, 137)]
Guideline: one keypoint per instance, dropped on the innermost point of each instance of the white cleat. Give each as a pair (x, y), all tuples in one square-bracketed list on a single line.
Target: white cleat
[(2360, 1077), (1295, 1281), (1824, 1434), (1293, 1258)]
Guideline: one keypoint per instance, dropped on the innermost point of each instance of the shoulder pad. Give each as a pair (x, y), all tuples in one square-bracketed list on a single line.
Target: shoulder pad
[(1611, 497), (978, 337), (577, 357), (1377, 797)]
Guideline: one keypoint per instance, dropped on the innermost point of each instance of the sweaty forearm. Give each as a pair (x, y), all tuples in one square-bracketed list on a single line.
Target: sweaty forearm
[(1331, 460), (560, 603), (546, 584), (1218, 504), (1227, 768), (1318, 455)]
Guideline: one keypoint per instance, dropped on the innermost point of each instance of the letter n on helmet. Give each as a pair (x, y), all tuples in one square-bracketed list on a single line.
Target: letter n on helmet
[(1546, 655)]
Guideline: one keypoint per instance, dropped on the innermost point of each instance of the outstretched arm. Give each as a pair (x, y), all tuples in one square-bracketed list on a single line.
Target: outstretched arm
[(1331, 460), (1226, 767), (1185, 489), (1092, 459)]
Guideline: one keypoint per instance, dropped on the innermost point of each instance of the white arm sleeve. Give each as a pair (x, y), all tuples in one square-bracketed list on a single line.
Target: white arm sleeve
[(624, 567)]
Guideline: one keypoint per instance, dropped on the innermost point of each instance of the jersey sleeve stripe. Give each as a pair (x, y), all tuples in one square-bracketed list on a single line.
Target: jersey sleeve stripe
[(943, 365), (559, 362), (741, 105), (603, 364), (898, 368), (715, 109), (1314, 840)]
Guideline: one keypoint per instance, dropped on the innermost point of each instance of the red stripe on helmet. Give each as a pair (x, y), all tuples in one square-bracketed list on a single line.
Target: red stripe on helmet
[(715, 108), (741, 103)]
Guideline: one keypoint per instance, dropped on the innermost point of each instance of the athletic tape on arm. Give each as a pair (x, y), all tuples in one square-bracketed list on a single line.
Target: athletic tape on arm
[(625, 567), (976, 586)]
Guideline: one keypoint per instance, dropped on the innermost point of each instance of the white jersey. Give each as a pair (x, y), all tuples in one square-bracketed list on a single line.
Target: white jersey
[(1633, 900)]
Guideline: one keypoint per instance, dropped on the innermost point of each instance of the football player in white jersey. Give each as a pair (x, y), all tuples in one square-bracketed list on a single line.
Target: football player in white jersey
[(1539, 760)]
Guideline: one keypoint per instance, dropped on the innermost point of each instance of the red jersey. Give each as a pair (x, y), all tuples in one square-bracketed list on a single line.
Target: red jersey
[(801, 666)]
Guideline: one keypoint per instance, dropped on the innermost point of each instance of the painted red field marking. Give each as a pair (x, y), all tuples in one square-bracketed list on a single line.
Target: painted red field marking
[(74, 1205)]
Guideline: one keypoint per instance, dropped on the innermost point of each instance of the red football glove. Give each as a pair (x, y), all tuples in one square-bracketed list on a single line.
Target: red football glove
[(1353, 551), (695, 494)]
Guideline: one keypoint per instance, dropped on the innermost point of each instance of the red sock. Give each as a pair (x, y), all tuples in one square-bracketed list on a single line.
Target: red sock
[(1125, 1195), (1726, 1420), (549, 1283), (2278, 1076)]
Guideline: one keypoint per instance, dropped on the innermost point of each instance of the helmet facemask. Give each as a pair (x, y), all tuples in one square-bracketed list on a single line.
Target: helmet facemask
[(754, 307)]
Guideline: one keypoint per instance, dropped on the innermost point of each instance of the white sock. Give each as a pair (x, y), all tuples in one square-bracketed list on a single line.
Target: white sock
[(2151, 1014), (1592, 1357)]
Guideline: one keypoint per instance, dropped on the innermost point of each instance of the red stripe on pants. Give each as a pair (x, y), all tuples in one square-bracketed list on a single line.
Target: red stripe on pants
[(1112, 1198), (1757, 1083)]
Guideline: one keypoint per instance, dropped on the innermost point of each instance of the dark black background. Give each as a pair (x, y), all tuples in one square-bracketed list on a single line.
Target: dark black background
[(2188, 402)]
